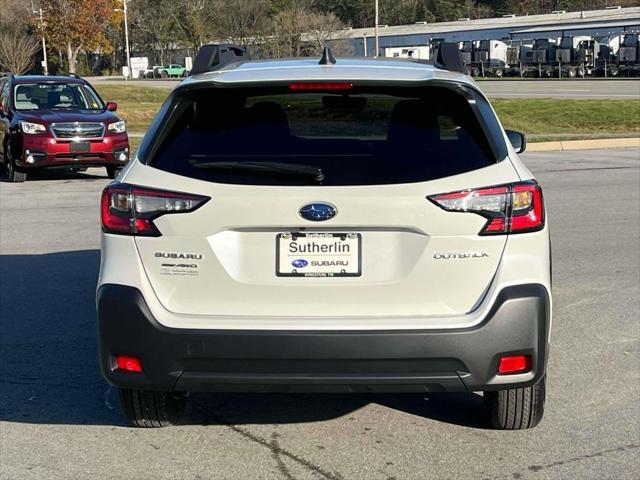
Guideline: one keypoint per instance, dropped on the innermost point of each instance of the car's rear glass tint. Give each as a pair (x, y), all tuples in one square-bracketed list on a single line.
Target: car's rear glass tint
[(367, 137)]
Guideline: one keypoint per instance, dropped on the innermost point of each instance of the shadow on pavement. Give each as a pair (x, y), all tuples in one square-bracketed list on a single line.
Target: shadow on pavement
[(49, 371), (59, 174)]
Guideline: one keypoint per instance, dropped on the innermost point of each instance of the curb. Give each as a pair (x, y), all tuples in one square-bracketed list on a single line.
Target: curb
[(601, 143), (584, 144)]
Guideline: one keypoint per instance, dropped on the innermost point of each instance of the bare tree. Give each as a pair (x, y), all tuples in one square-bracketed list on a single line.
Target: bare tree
[(17, 46), (242, 21), (299, 30), (153, 24), (14, 15), (17, 50), (195, 20)]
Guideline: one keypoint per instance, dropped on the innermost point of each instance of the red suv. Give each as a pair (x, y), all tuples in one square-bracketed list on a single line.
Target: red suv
[(58, 122)]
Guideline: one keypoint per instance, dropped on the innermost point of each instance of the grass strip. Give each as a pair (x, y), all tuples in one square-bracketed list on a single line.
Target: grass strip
[(541, 119)]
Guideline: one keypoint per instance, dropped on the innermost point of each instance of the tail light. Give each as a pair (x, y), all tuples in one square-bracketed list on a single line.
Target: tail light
[(513, 208), (514, 364), (130, 210), (128, 364)]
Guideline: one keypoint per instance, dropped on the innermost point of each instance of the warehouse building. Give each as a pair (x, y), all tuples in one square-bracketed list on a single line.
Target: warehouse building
[(596, 23)]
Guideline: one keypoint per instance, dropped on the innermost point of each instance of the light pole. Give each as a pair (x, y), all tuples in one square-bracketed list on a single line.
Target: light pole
[(126, 36), (44, 43), (376, 30)]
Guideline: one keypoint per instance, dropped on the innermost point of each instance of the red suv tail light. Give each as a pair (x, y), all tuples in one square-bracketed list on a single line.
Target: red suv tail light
[(513, 208), (130, 210)]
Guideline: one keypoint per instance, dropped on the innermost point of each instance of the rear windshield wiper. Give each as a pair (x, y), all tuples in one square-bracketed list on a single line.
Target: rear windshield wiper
[(303, 170)]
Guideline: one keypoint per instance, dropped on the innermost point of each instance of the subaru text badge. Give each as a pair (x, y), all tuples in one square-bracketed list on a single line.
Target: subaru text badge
[(317, 212)]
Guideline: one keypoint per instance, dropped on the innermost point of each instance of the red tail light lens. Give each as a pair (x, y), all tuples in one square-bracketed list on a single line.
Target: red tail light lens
[(130, 210), (319, 87), (513, 208), (129, 364), (514, 364)]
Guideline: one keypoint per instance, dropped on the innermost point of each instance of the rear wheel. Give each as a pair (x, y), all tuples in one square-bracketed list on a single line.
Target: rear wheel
[(10, 167), (164, 74), (148, 409), (112, 172), (516, 408)]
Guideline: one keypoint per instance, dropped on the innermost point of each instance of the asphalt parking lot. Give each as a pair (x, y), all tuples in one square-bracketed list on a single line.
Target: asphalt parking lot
[(59, 419)]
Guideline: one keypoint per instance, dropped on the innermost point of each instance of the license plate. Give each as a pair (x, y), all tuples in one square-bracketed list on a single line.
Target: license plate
[(318, 255), (80, 147)]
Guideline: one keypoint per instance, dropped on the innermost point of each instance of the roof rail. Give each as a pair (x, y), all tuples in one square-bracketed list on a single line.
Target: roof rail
[(74, 75), (446, 56), (215, 55)]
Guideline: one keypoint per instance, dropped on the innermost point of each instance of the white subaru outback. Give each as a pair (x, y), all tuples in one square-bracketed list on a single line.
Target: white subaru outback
[(359, 225)]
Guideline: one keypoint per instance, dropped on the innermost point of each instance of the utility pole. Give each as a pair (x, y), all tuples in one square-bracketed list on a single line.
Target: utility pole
[(376, 30), (126, 37), (44, 43)]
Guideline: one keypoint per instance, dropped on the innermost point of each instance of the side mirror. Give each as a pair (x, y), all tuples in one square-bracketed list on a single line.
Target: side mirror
[(518, 140), (112, 106)]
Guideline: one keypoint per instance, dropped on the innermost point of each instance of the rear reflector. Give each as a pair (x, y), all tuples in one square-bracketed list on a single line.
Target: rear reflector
[(129, 364), (320, 87), (514, 364), (513, 208), (129, 210)]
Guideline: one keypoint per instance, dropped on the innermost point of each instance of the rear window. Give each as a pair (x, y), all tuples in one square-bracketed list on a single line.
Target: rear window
[(369, 136)]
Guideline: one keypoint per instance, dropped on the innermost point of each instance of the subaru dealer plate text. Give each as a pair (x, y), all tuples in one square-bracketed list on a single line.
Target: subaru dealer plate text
[(318, 255)]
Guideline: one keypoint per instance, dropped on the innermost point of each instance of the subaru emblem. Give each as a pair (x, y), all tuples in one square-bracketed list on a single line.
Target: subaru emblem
[(300, 263), (317, 212)]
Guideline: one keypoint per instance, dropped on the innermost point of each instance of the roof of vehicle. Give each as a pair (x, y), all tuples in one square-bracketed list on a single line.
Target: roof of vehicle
[(345, 69), (47, 79)]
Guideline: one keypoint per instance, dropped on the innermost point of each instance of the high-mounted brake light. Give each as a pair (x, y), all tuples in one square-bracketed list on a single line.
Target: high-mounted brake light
[(130, 210), (513, 208), (320, 87)]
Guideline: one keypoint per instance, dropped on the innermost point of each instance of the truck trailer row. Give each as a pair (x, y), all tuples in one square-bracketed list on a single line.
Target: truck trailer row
[(569, 56)]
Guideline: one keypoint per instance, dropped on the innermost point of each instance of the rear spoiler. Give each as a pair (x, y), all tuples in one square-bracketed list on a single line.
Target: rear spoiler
[(212, 56)]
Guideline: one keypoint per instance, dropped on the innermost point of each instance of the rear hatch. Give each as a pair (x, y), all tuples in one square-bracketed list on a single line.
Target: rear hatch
[(317, 202)]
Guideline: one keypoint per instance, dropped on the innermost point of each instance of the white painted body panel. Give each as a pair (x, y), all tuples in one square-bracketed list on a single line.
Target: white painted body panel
[(403, 284)]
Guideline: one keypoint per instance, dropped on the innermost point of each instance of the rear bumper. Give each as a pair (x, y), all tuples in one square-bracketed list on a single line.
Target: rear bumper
[(312, 361), (42, 151)]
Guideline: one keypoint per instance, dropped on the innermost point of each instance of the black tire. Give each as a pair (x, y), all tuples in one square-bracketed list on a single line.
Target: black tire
[(112, 172), (164, 74), (516, 408), (10, 167), (499, 73), (148, 409)]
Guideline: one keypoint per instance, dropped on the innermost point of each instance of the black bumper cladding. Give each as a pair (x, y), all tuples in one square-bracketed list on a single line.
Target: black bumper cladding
[(318, 361)]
